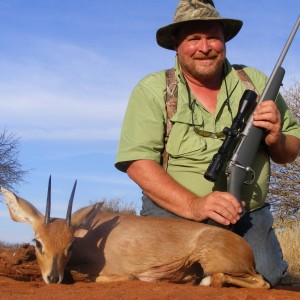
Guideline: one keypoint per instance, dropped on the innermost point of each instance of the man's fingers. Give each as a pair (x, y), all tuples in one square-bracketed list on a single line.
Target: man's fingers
[(228, 213), (231, 203), (223, 208)]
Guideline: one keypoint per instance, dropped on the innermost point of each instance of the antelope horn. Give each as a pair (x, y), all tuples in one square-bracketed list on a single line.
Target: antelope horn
[(69, 212), (48, 205)]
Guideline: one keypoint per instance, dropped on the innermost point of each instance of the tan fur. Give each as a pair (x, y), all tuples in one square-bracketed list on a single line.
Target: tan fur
[(55, 237), (114, 247)]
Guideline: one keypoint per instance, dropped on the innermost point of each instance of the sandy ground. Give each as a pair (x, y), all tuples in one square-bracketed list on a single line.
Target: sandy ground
[(20, 279)]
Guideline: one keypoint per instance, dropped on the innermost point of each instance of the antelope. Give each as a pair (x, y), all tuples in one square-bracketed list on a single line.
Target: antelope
[(119, 247)]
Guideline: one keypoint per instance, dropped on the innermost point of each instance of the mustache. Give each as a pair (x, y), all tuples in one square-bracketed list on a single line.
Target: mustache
[(202, 56)]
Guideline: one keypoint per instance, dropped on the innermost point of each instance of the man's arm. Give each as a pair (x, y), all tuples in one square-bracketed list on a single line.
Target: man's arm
[(282, 148), (286, 150), (222, 207)]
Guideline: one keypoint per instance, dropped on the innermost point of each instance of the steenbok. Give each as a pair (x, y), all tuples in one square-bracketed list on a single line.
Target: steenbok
[(114, 247)]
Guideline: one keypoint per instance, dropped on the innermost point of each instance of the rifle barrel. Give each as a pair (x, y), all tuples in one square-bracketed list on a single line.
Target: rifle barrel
[(280, 59), (245, 151)]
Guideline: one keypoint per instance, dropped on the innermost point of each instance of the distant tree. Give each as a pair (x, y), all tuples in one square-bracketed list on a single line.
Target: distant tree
[(284, 194), (11, 172), (284, 191)]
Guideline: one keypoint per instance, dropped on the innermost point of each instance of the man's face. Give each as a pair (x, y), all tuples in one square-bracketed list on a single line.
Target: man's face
[(201, 50)]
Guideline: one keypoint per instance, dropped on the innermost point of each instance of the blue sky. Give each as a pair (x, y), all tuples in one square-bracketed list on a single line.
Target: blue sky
[(67, 68)]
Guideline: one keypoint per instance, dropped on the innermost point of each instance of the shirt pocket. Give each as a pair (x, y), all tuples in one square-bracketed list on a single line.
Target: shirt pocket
[(184, 142)]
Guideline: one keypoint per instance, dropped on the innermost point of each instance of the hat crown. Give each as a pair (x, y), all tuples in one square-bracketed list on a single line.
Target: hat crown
[(195, 9), (200, 11)]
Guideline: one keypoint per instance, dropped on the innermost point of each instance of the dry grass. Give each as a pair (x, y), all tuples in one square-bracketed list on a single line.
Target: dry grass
[(116, 205), (289, 238), (9, 245)]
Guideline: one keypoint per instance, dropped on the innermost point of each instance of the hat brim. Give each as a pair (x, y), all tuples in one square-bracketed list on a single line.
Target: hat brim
[(164, 35)]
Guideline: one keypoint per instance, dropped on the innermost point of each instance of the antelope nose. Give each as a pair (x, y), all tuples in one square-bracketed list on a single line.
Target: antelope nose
[(53, 279)]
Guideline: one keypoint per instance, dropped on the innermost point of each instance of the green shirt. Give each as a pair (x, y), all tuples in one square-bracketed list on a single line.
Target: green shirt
[(142, 135)]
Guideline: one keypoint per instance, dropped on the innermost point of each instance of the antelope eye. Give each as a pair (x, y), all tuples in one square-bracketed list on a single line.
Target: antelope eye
[(38, 245)]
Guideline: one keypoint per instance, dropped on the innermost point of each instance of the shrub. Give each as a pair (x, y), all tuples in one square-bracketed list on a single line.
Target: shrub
[(117, 206), (288, 234)]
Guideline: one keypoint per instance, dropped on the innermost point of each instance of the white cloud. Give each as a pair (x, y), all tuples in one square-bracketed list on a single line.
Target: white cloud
[(43, 108), (69, 134), (66, 92)]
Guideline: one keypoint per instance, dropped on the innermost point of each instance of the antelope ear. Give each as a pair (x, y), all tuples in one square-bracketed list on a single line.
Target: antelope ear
[(83, 217), (21, 210)]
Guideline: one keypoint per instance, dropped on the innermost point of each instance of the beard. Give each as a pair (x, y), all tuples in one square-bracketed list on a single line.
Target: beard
[(203, 67)]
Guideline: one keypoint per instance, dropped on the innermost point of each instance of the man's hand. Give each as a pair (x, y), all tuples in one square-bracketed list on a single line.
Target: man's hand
[(267, 116), (221, 207), (282, 148)]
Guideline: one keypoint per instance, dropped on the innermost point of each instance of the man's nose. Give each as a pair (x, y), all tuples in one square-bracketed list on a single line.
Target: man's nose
[(204, 45)]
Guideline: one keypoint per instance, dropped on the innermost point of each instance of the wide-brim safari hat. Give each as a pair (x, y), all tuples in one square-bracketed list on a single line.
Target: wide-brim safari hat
[(190, 11)]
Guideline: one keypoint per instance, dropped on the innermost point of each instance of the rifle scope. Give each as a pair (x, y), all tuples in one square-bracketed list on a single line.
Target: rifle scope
[(246, 107)]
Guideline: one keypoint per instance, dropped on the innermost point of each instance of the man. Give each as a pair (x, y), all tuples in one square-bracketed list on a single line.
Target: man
[(209, 90)]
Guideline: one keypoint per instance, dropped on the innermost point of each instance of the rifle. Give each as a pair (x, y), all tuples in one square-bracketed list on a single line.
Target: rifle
[(239, 166)]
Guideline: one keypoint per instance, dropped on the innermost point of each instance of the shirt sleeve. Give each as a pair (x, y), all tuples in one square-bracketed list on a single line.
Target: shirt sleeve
[(289, 123), (142, 134)]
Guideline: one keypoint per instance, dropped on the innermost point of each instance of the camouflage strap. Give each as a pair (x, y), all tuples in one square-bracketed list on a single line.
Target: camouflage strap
[(172, 96), (171, 108), (245, 78)]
